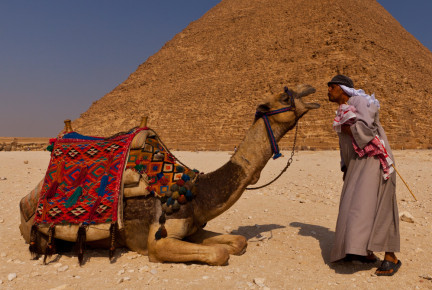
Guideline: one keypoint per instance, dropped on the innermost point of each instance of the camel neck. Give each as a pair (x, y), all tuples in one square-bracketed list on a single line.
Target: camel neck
[(220, 189)]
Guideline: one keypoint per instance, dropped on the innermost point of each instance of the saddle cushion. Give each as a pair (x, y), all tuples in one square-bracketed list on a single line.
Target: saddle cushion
[(83, 180)]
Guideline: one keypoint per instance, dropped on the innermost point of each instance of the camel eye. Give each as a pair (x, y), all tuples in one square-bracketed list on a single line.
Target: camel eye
[(263, 108), (285, 99)]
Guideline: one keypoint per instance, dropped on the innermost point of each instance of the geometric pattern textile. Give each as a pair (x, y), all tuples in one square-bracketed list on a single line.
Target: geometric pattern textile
[(160, 167), (83, 180)]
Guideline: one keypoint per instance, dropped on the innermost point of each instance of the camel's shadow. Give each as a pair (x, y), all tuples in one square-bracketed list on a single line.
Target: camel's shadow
[(325, 238)]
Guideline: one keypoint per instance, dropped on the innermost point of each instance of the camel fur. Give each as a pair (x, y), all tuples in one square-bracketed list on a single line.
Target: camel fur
[(187, 240)]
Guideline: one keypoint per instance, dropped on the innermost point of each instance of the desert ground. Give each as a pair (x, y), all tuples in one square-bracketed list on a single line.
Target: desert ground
[(289, 226)]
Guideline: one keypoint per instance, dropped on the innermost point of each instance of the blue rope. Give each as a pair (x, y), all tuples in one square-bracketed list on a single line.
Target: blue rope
[(272, 138)]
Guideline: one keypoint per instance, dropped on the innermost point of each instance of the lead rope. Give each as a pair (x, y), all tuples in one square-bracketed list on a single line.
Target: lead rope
[(290, 160)]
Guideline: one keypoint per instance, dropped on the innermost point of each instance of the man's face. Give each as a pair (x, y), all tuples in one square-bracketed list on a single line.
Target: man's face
[(335, 94)]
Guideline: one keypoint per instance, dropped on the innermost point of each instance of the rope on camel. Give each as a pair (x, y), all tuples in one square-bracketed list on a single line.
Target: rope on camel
[(290, 160)]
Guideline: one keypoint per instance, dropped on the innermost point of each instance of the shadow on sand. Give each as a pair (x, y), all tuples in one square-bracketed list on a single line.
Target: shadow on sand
[(325, 238), (256, 231)]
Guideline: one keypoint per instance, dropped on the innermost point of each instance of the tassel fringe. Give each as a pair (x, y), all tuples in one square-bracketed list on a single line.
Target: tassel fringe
[(113, 229), (161, 232), (33, 239), (52, 190), (81, 239), (50, 249), (74, 197)]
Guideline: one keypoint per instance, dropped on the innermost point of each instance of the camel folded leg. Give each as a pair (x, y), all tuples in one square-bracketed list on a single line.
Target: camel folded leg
[(235, 244), (174, 250)]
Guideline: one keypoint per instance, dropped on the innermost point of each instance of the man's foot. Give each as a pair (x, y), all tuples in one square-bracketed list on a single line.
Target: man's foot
[(388, 268)]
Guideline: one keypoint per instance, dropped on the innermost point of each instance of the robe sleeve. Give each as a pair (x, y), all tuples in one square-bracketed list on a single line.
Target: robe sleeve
[(365, 128)]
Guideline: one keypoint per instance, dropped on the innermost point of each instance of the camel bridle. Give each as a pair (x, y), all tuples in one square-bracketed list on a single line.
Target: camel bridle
[(273, 143), (265, 115)]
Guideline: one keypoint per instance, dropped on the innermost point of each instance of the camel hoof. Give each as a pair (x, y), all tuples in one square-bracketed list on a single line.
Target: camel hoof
[(219, 257), (240, 247)]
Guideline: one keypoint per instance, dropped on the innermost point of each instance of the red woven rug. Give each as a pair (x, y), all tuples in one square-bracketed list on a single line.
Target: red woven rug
[(83, 180)]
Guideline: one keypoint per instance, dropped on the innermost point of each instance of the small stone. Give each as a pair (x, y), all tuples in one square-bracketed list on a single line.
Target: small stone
[(250, 217), (259, 281), (3, 255), (143, 269), (227, 229), (1, 282), (1, 220), (266, 210), (25, 161), (12, 276), (406, 217), (63, 268), (153, 271), (121, 272), (58, 265), (205, 277), (35, 274)]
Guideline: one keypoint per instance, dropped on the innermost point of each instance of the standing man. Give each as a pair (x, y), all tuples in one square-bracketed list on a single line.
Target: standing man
[(368, 218)]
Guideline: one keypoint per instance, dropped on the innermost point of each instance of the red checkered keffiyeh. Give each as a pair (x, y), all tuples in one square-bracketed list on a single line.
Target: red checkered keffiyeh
[(376, 148)]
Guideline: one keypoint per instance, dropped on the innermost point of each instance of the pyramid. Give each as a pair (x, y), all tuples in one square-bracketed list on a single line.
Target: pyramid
[(200, 90)]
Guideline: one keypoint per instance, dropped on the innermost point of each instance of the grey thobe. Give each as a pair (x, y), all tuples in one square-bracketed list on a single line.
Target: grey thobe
[(368, 215)]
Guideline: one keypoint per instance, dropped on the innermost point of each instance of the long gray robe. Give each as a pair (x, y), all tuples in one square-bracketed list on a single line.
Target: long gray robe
[(368, 217)]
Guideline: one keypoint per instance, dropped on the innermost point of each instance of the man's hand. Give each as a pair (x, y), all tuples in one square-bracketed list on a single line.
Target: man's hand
[(344, 170), (346, 129)]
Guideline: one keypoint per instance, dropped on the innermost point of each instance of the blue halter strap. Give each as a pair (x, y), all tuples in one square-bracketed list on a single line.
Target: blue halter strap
[(265, 115)]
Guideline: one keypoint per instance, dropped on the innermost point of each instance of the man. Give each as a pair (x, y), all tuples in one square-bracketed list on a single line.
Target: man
[(368, 218)]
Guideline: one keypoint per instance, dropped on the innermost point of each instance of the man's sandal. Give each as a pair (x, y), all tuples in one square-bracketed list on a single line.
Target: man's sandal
[(389, 267)]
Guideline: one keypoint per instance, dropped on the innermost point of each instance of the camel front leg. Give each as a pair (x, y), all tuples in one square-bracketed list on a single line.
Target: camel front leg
[(235, 244), (173, 249)]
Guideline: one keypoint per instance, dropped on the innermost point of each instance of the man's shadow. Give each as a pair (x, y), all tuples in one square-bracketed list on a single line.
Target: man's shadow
[(256, 231), (325, 238)]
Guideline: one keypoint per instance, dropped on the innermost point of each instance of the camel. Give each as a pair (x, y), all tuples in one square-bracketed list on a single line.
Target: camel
[(186, 240)]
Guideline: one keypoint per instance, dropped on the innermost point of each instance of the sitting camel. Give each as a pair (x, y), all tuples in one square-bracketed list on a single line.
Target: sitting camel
[(184, 239)]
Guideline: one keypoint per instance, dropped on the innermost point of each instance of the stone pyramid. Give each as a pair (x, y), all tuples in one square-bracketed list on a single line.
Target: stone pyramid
[(200, 90)]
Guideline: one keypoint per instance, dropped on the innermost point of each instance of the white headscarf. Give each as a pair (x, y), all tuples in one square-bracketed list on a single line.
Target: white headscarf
[(353, 92)]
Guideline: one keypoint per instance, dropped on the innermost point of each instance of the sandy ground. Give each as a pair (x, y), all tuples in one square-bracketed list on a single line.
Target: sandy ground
[(289, 226)]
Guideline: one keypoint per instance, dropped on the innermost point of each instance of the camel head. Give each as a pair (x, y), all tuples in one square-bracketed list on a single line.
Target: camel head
[(292, 99)]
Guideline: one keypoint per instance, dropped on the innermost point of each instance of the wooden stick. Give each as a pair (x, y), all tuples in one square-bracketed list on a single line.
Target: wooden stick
[(404, 182)]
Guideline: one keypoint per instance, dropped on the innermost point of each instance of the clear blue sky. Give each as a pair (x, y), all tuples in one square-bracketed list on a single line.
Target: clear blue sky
[(57, 57)]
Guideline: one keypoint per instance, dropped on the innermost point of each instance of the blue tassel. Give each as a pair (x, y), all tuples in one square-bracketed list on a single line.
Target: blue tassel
[(277, 155), (189, 195), (74, 197), (103, 185), (185, 177)]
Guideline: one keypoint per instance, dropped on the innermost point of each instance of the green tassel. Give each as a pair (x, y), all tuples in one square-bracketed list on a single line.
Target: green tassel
[(50, 147), (74, 197), (139, 168)]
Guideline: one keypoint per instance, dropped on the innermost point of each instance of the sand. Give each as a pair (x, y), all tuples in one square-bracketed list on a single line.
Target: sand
[(289, 226)]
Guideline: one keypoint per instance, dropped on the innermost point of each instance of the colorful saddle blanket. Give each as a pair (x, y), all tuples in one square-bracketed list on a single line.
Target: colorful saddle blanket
[(166, 178), (83, 182)]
